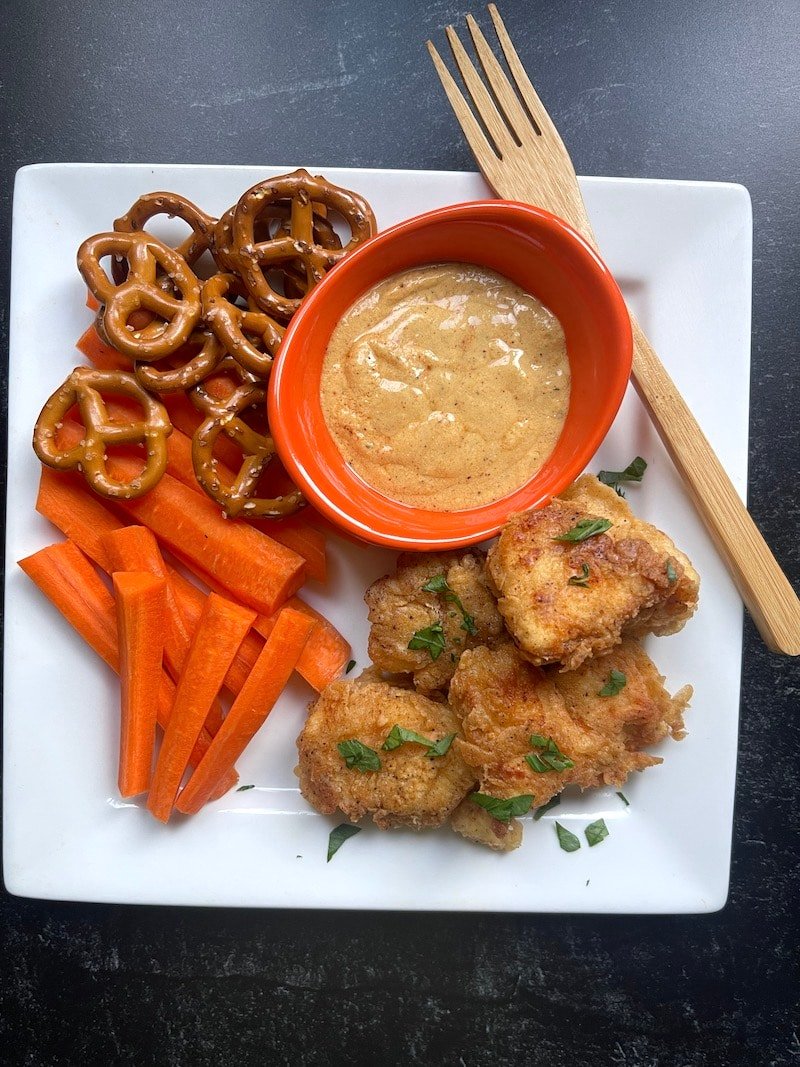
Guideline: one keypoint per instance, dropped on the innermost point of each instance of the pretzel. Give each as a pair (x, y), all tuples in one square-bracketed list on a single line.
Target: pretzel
[(258, 449), (212, 394), (254, 259), (175, 206), (194, 361), (249, 335), (272, 221), (85, 387), (177, 316)]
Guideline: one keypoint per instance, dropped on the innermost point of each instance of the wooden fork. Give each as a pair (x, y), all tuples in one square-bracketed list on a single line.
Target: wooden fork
[(522, 157)]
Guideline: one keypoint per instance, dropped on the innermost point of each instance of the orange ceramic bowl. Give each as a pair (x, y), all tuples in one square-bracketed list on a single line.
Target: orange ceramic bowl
[(537, 251)]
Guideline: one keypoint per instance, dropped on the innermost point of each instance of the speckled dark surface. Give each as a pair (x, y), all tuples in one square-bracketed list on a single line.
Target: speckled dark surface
[(660, 89)]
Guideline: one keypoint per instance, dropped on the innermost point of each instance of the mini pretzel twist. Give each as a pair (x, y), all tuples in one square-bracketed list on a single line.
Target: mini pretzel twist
[(176, 317), (148, 207), (258, 449), (212, 395), (273, 220), (194, 361), (250, 336), (254, 259), (85, 387)]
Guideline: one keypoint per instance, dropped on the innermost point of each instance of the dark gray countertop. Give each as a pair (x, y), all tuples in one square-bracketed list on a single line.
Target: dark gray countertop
[(638, 87)]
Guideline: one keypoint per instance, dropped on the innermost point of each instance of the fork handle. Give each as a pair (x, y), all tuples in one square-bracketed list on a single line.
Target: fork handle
[(764, 587)]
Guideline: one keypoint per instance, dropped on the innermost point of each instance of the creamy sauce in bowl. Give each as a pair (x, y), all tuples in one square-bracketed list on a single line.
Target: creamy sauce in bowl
[(446, 386)]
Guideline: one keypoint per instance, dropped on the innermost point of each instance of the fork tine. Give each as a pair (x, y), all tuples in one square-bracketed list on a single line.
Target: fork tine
[(516, 116), (482, 149), (536, 108), (484, 105)]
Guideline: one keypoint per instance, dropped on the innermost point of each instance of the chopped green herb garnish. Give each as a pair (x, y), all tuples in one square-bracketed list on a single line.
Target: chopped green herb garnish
[(581, 579), (615, 684), (624, 799), (584, 529), (431, 638), (350, 666), (596, 832), (399, 735), (543, 810), (441, 747), (244, 788), (503, 809), (338, 836), (672, 574), (566, 839), (359, 757), (438, 584), (550, 758), (634, 472)]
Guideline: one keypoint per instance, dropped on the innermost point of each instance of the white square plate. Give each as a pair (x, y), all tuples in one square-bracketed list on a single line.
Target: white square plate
[(682, 252)]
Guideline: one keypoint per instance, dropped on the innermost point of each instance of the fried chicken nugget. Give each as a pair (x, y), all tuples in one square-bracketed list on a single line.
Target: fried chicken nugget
[(409, 789), (502, 700), (476, 824), (399, 607), (630, 580)]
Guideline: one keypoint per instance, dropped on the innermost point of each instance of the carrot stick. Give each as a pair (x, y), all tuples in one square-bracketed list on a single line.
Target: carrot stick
[(249, 711), (223, 626), (191, 600), (323, 658), (326, 652), (99, 354), (92, 303), (305, 541), (141, 613), (134, 548), (72, 585), (251, 566), (78, 514)]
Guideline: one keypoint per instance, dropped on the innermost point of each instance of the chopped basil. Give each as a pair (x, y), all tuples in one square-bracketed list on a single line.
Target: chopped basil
[(672, 574), (438, 584), (358, 757), (581, 579), (615, 684), (584, 529), (338, 836), (350, 666), (632, 473), (244, 788), (550, 758), (399, 735), (431, 638), (624, 799), (503, 809), (596, 832), (543, 810), (566, 839), (441, 747)]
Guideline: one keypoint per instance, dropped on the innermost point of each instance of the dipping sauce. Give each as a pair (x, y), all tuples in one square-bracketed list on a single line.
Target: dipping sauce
[(446, 386)]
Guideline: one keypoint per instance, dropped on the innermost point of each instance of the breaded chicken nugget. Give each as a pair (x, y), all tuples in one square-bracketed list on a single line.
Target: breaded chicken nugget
[(409, 788), (564, 601), (400, 607), (477, 825), (503, 702)]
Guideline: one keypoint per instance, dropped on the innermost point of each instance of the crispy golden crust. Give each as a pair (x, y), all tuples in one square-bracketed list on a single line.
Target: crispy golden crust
[(629, 590), (501, 700), (398, 607), (410, 789), (477, 824)]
